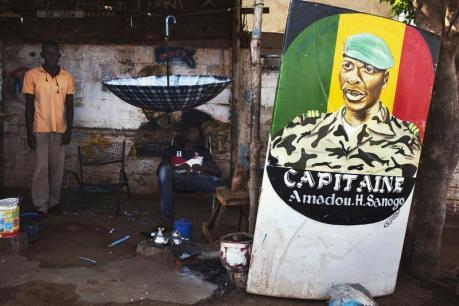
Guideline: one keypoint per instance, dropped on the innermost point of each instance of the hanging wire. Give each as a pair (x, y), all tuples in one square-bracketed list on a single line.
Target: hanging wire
[(150, 14)]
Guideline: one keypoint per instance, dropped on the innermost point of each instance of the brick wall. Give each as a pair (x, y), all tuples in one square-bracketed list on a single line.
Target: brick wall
[(99, 115)]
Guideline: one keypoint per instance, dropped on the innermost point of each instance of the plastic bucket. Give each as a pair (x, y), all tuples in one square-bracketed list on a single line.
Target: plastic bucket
[(9, 217), (185, 227), (31, 224)]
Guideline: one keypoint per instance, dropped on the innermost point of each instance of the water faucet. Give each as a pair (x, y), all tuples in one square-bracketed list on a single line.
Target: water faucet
[(167, 24)]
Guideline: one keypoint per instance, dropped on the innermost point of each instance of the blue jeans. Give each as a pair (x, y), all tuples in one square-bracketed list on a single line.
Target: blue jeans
[(169, 180)]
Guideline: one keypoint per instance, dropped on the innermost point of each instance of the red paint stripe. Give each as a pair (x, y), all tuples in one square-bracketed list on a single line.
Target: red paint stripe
[(415, 80), (9, 235)]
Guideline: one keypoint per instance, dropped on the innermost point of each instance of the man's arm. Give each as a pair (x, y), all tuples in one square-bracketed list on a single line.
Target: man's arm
[(29, 116), (67, 136), (166, 160), (209, 165), (212, 167)]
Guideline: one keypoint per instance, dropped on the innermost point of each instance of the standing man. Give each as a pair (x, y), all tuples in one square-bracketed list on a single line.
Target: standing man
[(49, 93)]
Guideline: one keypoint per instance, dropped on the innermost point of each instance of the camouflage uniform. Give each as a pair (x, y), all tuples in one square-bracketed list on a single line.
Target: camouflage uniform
[(384, 145)]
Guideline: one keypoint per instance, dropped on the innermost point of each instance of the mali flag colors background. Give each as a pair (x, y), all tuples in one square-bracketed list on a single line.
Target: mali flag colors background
[(308, 78)]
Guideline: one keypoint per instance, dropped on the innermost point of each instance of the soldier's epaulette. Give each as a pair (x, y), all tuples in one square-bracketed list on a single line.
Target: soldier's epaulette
[(312, 114), (412, 128)]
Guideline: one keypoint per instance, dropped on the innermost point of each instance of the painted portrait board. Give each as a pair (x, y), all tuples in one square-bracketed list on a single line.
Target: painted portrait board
[(347, 128)]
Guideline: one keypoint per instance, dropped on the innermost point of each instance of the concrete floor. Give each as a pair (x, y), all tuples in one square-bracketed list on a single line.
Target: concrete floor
[(51, 272), (118, 276), (120, 281)]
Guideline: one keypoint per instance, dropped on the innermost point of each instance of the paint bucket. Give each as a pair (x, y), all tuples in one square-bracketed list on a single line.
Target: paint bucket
[(235, 252), (185, 227), (9, 217), (31, 224)]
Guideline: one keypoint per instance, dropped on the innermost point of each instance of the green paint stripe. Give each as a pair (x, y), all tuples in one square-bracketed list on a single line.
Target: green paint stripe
[(304, 78)]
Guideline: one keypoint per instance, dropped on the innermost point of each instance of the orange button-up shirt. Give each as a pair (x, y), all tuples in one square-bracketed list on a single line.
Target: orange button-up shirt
[(50, 94)]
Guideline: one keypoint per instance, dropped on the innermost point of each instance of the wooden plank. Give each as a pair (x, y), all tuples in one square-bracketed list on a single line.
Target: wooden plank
[(236, 69), (227, 196), (250, 10), (138, 6), (117, 29)]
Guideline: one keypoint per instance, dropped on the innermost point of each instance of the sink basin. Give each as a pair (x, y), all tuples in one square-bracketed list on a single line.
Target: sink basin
[(183, 92)]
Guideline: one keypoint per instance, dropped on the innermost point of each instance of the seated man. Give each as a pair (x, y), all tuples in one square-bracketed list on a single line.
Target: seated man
[(189, 167)]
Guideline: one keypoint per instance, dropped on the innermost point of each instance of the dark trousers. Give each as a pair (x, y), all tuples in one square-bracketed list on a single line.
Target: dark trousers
[(169, 180)]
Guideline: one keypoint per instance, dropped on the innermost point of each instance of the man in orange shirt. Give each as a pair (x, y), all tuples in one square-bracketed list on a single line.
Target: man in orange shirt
[(49, 93)]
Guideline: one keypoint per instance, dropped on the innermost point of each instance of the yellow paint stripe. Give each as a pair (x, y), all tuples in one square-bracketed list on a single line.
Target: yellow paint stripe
[(390, 31)]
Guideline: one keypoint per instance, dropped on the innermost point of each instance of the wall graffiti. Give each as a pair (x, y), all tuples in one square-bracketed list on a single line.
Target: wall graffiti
[(174, 54), (15, 81)]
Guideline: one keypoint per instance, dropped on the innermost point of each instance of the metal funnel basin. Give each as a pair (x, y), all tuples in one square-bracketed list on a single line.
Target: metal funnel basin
[(183, 92)]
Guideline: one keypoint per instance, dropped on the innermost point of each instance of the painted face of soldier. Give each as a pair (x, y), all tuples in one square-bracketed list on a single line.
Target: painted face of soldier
[(361, 84)]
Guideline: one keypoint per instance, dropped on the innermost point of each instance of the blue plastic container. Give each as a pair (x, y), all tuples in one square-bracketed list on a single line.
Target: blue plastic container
[(184, 226), (31, 223)]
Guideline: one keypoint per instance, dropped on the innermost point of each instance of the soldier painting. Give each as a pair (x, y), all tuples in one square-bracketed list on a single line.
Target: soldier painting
[(348, 122), (362, 136)]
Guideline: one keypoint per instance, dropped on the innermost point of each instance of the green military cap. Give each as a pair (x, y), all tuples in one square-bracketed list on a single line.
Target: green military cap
[(369, 49)]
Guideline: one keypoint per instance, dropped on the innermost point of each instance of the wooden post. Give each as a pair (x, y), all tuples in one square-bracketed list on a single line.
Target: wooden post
[(236, 68), (255, 144), (2, 117)]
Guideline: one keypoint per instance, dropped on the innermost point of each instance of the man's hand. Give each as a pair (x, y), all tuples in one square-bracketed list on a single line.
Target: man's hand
[(29, 117), (198, 168), (66, 137), (32, 141), (183, 166)]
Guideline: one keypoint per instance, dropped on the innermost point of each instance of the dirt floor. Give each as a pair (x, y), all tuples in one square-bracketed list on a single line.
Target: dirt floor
[(88, 231)]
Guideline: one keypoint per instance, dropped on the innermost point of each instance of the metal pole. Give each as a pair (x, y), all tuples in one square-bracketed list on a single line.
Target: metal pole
[(255, 143), (166, 38), (167, 60)]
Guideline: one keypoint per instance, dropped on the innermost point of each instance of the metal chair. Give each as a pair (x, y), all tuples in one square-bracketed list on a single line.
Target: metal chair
[(94, 156)]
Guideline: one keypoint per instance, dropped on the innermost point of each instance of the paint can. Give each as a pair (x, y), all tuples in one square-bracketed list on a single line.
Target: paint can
[(184, 227), (9, 217), (235, 252)]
